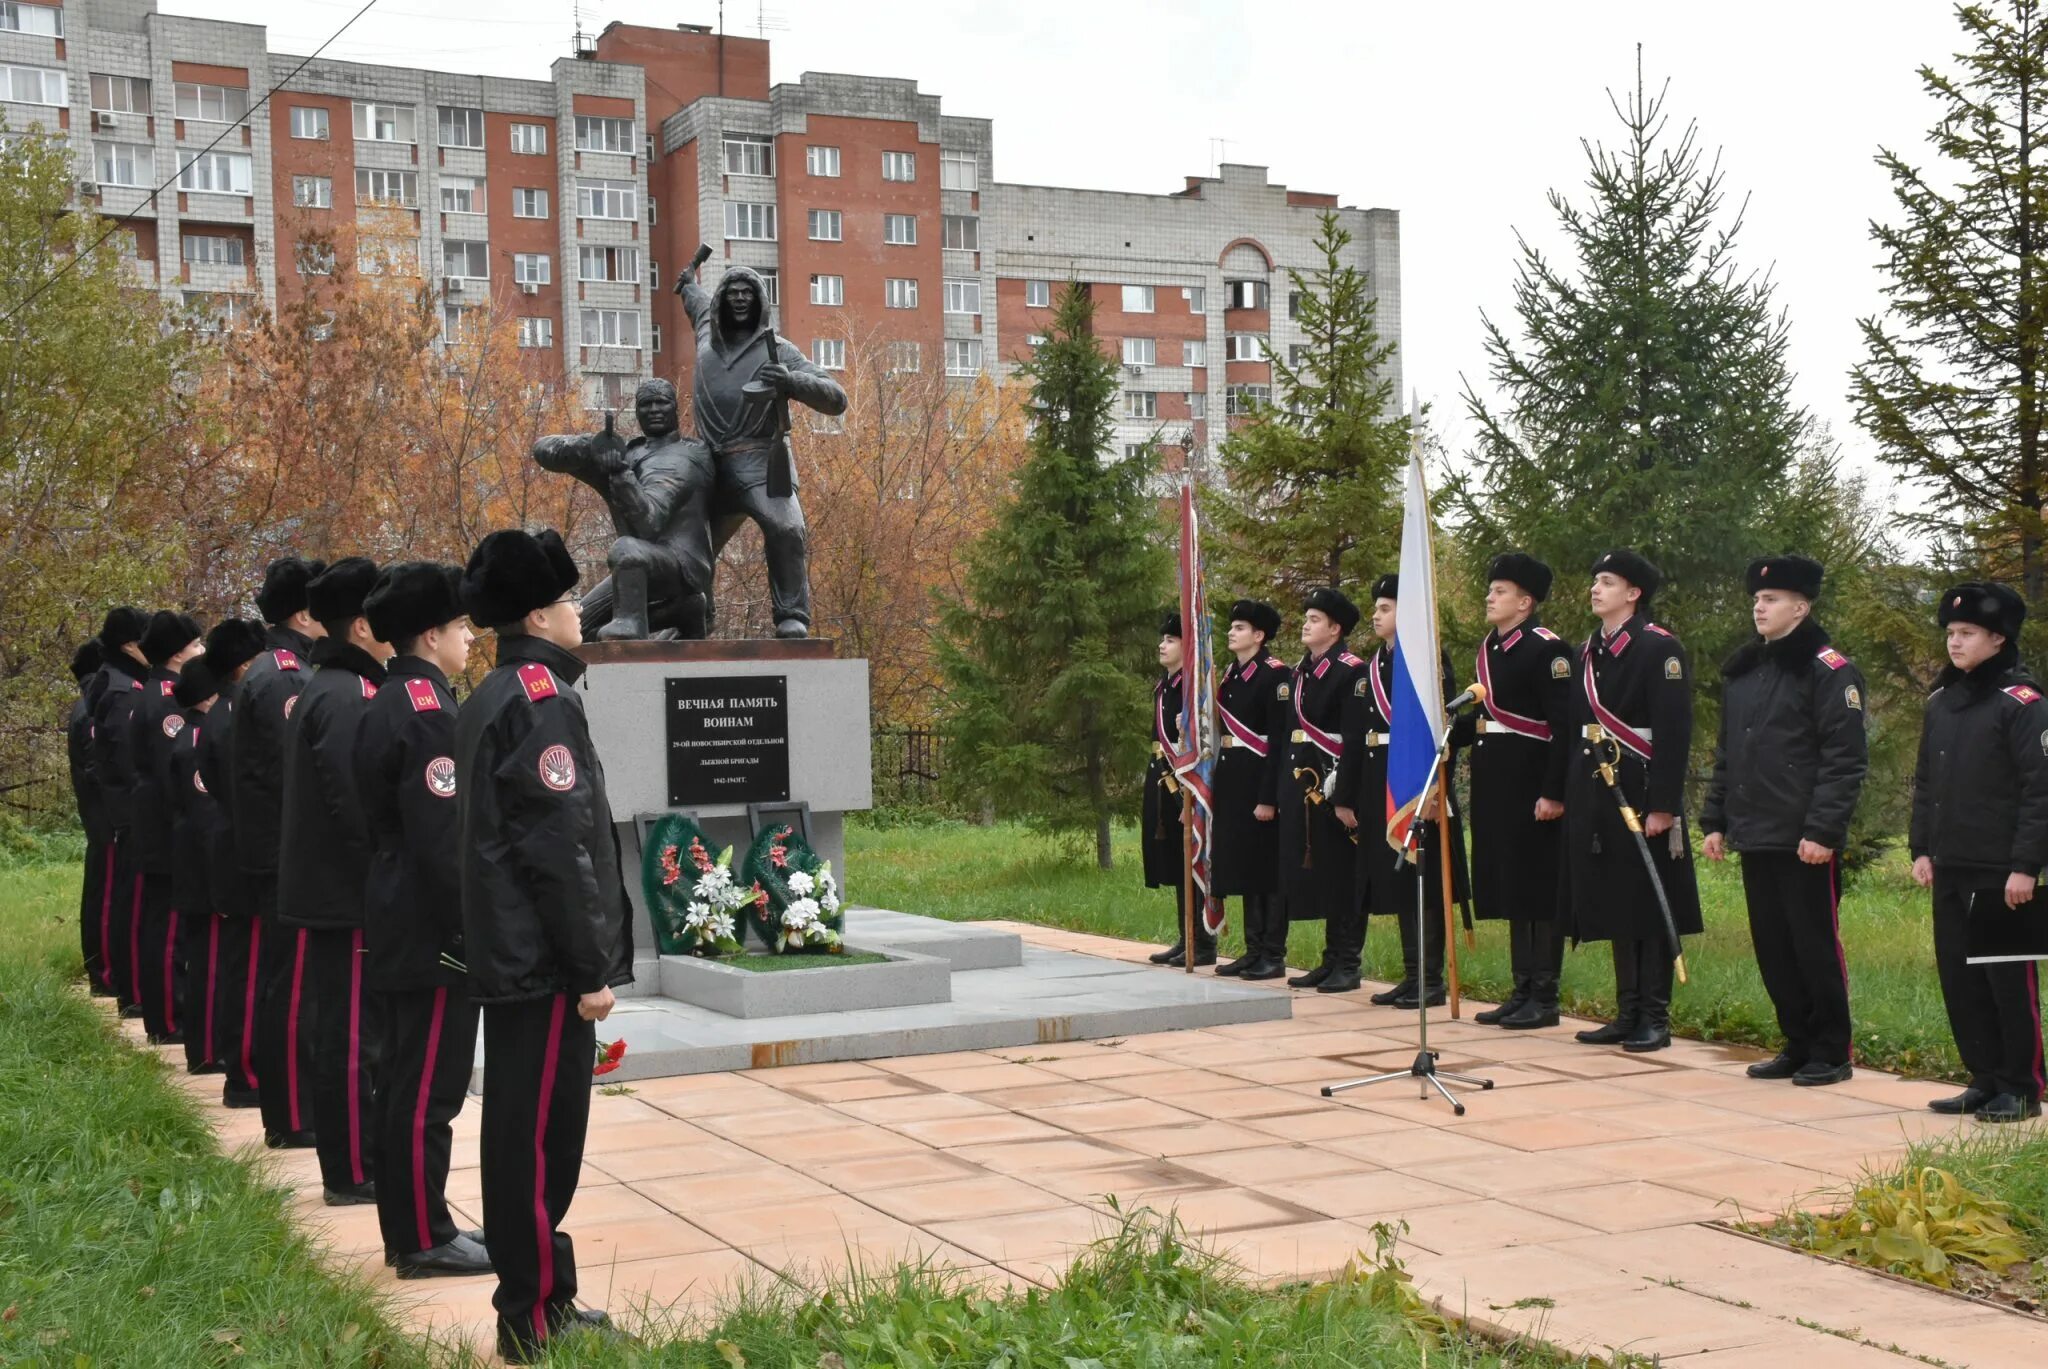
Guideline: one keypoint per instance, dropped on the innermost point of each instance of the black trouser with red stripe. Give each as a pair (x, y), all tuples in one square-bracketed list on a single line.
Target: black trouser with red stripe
[(202, 937), (95, 910), (121, 943), (1993, 1010), (429, 1049), (160, 975), (346, 1043), (284, 1037), (237, 994), (1795, 925), (538, 1058)]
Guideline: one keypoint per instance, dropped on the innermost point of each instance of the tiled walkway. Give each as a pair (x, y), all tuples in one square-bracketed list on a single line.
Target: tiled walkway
[(1568, 1201)]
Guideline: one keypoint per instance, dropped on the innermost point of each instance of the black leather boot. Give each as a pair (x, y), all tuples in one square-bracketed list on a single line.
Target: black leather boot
[(1539, 1009), (1170, 956), (1253, 917), (1626, 1001), (1406, 988), (1518, 957), (1312, 978), (1653, 987)]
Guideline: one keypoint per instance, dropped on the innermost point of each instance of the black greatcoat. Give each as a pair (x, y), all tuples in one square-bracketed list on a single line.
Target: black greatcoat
[(153, 729), (405, 778), (1644, 680), (1520, 744), (1160, 832), (325, 838), (264, 702), (215, 756), (195, 830), (114, 695), (78, 745), (1386, 882), (1255, 714), (1980, 788), (1318, 863)]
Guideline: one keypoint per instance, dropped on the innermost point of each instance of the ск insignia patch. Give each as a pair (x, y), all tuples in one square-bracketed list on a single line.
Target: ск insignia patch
[(1362, 688), (1560, 668), (441, 777), (290, 702), (174, 723), (1853, 697), (1285, 692), (1672, 669), (558, 769)]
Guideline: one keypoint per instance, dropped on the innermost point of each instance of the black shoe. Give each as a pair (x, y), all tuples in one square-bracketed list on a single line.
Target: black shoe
[(1233, 968), (352, 1195), (1265, 967), (101, 991), (232, 1097), (1340, 981), (1493, 1017), (1169, 956), (1204, 955), (1388, 997), (1783, 1065), (1312, 978), (288, 1140), (455, 1258), (1815, 1073), (1649, 1035), (1613, 1034), (1971, 1100), (520, 1348), (166, 1039), (1410, 1001), (132, 1010), (1533, 1013), (2009, 1107), (477, 1235), (210, 1067)]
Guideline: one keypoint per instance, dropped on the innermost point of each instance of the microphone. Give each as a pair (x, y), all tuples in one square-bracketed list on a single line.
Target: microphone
[(1472, 696)]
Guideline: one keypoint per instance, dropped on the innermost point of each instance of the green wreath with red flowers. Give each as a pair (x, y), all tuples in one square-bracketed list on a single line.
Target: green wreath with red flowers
[(694, 898), (799, 908)]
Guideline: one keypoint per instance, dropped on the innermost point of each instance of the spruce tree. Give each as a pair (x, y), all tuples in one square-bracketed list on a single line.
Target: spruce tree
[(1310, 487), (1050, 656), (1951, 384)]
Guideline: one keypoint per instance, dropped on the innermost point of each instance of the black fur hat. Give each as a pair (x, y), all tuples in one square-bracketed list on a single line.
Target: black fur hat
[(1993, 607), (1633, 567), (336, 594), (168, 634), (1520, 568), (1333, 604), (196, 683), (412, 596), (123, 625), (512, 573), (87, 658), (1799, 574), (1388, 586), (1169, 623), (284, 587), (232, 643), (1258, 615)]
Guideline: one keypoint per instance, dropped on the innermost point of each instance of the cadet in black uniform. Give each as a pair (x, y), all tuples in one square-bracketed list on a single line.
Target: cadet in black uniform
[(231, 648), (412, 906), (543, 922), (114, 692), (1980, 840), (154, 726), (194, 818), (324, 852), (1254, 716), (1520, 745), (1634, 685), (1318, 863), (92, 818), (264, 702), (1788, 767), (1161, 833)]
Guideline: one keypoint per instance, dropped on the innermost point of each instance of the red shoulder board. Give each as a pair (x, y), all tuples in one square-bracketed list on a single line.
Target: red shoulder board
[(2026, 694), (1348, 659), (136, 684), (1661, 631), (1274, 662), (166, 688), (538, 681), (1546, 634), (421, 694), (369, 690), (1832, 659), (285, 660)]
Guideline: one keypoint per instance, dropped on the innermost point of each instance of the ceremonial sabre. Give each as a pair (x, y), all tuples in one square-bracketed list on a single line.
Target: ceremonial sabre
[(1635, 828)]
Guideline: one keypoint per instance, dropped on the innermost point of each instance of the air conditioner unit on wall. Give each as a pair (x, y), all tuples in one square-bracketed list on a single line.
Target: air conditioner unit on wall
[(88, 187), (107, 120), (452, 284), (529, 288)]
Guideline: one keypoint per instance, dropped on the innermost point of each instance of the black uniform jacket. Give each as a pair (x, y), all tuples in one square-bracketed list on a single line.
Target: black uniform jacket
[(1159, 828), (325, 842), (1643, 679), (224, 872), (154, 726), (1791, 757), (543, 911), (1980, 790), (1318, 862), (114, 692), (264, 703), (1386, 881), (405, 777), (1254, 717), (1519, 742), (92, 814), (195, 832)]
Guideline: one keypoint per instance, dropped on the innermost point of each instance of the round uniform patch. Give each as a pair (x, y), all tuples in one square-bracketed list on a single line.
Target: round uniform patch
[(198, 783), (558, 768), (441, 776), (290, 700), (174, 723)]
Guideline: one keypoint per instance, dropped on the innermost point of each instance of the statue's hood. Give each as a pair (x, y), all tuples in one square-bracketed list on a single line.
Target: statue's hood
[(729, 338)]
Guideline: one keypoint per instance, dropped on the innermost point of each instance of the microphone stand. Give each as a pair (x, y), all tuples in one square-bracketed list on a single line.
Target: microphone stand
[(1424, 1068)]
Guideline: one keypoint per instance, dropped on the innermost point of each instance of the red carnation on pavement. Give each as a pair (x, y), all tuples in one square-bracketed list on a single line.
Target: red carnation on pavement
[(609, 1054)]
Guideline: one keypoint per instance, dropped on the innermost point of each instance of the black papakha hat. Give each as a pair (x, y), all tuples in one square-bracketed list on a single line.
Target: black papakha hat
[(1388, 586), (1633, 567), (284, 587), (1333, 604), (168, 634), (412, 596), (1257, 614), (233, 643), (1993, 607), (512, 573), (196, 683), (87, 658), (336, 594), (1169, 624), (123, 625), (1520, 568), (1799, 575)]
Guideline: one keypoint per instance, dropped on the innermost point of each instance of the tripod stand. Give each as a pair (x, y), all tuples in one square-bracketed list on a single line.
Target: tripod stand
[(1424, 1069)]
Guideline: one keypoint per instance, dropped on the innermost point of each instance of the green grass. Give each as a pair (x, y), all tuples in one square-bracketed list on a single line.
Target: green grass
[(957, 870), (767, 962)]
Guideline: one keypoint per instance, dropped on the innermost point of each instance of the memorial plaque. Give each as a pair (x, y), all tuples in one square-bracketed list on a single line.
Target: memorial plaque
[(728, 740)]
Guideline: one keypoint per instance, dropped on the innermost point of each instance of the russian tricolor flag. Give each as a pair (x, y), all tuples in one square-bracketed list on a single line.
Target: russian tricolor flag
[(1417, 694)]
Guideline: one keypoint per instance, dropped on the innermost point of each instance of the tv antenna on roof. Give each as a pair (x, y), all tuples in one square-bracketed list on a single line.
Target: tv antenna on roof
[(768, 21), (1218, 146)]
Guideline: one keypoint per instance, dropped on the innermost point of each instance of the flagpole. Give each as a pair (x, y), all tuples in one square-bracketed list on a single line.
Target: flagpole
[(1443, 833), (1187, 877)]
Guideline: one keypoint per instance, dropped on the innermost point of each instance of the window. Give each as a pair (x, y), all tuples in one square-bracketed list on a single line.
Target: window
[(536, 332), (314, 258), (1135, 450), (611, 328), (771, 285), (17, 16), (1296, 355), (394, 256), (1198, 404), (1194, 354), (1294, 304), (749, 221), (1141, 404), (1141, 351), (465, 260), (211, 104), (1197, 297), (124, 163), (608, 263), (651, 207), (532, 268), (461, 127), (648, 150), (309, 121), (821, 161), (1245, 294), (202, 250), (899, 293), (1241, 399), (528, 203), (1038, 294), (905, 357), (595, 134), (1035, 341), (34, 86), (1244, 347), (216, 311), (219, 173), (963, 233), (462, 195), (899, 166), (829, 353), (957, 172), (313, 192), (654, 335), (824, 225), (120, 95), (401, 188), (899, 229), (828, 289), (963, 356), (455, 322), (653, 275), (963, 296), (607, 200), (1138, 299), (531, 140), (749, 154), (385, 123)]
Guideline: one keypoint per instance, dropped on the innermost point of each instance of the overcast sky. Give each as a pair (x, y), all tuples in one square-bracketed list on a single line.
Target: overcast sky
[(1460, 116)]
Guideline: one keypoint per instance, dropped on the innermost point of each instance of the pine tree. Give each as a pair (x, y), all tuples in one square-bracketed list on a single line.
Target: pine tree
[(1310, 482), (1050, 656), (1951, 385)]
